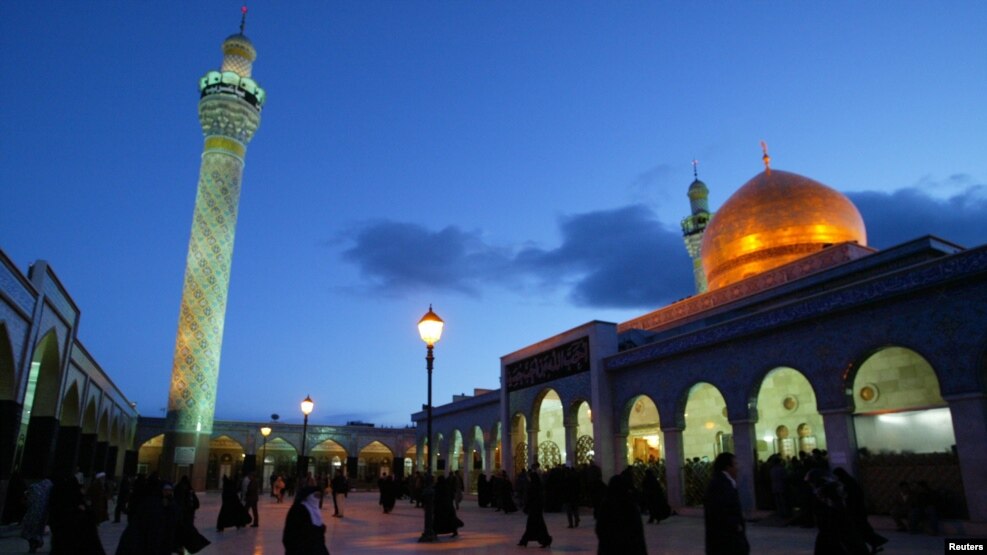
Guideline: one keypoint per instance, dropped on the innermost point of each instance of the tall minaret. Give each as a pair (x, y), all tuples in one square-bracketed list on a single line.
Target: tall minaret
[(229, 111), (694, 225)]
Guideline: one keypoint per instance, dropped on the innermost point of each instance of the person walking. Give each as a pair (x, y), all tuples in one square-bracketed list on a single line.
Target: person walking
[(231, 512), (340, 488), (655, 499), (251, 496), (446, 521), (837, 534), (123, 496), (725, 530), (619, 530), (535, 528), (304, 532), (278, 489), (36, 516)]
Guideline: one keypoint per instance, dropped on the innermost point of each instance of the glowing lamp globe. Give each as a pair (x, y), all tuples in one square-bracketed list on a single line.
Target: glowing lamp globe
[(307, 405), (265, 431), (430, 327)]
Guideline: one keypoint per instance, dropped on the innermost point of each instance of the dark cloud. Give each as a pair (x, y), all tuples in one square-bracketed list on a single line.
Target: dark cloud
[(622, 258), (893, 218)]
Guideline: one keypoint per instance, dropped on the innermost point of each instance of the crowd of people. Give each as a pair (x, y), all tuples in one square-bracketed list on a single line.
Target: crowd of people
[(160, 516)]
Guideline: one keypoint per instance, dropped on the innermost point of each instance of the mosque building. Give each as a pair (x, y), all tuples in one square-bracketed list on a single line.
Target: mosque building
[(800, 337)]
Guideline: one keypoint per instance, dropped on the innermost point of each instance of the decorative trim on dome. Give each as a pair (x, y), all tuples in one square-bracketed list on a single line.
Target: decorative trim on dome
[(765, 254)]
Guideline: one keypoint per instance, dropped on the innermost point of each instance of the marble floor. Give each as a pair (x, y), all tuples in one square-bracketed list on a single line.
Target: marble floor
[(366, 530)]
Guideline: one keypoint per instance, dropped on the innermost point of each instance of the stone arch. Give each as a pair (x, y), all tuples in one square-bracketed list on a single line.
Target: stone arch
[(374, 461), (89, 421), (707, 433), (328, 456), (642, 424), (104, 427), (897, 404), (71, 415), (477, 450), (518, 438), (786, 400), (457, 451), (548, 418), (149, 454), (496, 437), (439, 458), (46, 373), (7, 374)]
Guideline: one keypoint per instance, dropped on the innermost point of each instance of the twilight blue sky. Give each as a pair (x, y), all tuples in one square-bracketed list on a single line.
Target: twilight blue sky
[(521, 165)]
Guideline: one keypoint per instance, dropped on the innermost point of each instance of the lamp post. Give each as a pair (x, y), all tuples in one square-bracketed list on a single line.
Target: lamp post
[(307, 406), (430, 330), (264, 431)]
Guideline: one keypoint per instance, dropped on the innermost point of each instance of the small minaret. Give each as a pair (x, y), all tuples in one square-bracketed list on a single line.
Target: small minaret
[(230, 103), (694, 225)]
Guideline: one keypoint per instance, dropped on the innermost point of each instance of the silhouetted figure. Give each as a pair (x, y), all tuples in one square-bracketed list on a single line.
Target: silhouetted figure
[(535, 529), (231, 512), (445, 519), (655, 500), (837, 535), (725, 529), (35, 517), (857, 511), (304, 531), (618, 521)]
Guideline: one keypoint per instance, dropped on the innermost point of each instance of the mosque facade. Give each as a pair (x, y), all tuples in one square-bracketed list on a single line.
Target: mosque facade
[(800, 338)]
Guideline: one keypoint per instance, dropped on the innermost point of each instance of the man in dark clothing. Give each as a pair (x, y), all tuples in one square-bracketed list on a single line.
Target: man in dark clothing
[(123, 495), (725, 531), (251, 497)]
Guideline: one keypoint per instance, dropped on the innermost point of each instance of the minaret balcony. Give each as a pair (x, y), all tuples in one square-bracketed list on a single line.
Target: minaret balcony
[(230, 84)]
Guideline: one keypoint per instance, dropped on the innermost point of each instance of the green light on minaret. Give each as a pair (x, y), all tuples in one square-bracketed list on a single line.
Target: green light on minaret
[(229, 111)]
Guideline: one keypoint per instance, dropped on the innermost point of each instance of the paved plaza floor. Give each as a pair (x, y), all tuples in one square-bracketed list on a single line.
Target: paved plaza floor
[(366, 530)]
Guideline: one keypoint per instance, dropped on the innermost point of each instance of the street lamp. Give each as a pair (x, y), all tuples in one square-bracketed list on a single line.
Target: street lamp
[(430, 330), (307, 406), (264, 431)]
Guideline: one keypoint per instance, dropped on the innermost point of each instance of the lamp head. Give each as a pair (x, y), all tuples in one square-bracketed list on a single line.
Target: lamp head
[(430, 327), (307, 405), (265, 431)]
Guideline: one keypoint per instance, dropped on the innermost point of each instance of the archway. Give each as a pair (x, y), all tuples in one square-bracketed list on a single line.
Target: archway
[(904, 429), (411, 460), (280, 458), (6, 366), (439, 459), (585, 448), (149, 455), (550, 423), (457, 452), (495, 435), (226, 457), (644, 436), (327, 458), (38, 425), (8, 403), (71, 415), (477, 458), (519, 442), (788, 422), (707, 433), (374, 461)]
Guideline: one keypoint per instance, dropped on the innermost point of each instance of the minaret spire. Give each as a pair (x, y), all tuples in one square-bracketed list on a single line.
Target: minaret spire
[(766, 158), (243, 17), (695, 168), (694, 225)]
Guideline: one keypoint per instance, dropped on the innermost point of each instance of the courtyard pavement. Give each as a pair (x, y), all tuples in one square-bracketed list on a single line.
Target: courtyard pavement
[(366, 530)]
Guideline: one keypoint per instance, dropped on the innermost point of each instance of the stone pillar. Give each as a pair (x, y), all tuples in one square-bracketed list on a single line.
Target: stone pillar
[(745, 445), (673, 466), (841, 439), (111, 460), (570, 443), (99, 459), (67, 449), (352, 465), (532, 447), (619, 453), (10, 418), (42, 431), (130, 462), (397, 468), (969, 414), (490, 463), (87, 453)]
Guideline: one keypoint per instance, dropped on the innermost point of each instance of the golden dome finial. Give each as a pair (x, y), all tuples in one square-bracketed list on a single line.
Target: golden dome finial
[(766, 158)]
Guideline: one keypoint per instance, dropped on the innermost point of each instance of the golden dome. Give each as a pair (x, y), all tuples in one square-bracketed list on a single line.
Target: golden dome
[(775, 218)]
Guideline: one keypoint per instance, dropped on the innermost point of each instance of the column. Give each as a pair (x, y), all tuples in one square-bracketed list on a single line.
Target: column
[(99, 459), (969, 413), (532, 447), (841, 439), (570, 443), (38, 447), (111, 460), (673, 466), (744, 445), (87, 454), (619, 453), (67, 449)]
